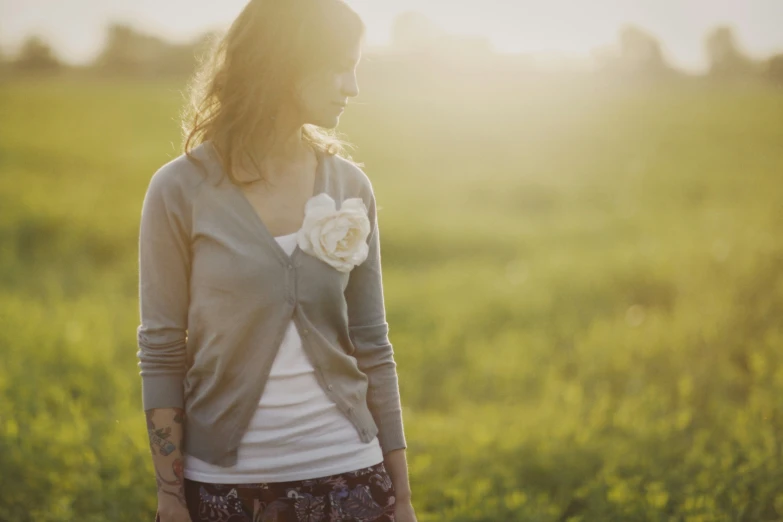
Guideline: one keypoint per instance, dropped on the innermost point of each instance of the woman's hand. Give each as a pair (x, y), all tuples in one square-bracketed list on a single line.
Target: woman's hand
[(403, 511), (171, 510)]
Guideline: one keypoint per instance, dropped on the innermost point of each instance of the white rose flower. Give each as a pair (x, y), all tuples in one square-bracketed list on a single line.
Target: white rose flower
[(337, 237)]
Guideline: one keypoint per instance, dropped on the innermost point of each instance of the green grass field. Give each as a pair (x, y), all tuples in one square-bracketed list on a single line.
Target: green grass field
[(584, 287)]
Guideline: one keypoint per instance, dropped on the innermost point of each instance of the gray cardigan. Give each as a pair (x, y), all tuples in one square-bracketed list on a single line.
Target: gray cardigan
[(217, 292)]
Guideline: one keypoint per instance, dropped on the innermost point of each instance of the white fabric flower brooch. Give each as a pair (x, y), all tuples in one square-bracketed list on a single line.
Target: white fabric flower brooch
[(337, 237)]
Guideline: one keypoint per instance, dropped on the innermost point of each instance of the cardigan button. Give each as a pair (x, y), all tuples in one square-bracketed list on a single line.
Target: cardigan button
[(329, 387)]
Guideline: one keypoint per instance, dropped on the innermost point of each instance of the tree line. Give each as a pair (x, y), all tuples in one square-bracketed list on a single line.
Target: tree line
[(639, 52), (127, 51), (636, 52)]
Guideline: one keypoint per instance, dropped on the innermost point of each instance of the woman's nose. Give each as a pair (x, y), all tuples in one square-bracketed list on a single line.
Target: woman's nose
[(351, 87)]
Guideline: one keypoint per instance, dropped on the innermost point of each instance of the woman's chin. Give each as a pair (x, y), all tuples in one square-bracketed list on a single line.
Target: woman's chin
[(324, 119), (327, 123)]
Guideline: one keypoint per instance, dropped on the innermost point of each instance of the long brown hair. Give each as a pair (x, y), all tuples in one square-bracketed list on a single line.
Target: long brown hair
[(247, 73)]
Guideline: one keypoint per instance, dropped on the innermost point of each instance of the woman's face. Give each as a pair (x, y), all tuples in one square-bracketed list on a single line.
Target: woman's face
[(323, 95)]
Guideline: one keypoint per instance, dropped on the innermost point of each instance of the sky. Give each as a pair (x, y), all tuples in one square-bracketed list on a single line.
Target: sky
[(76, 28)]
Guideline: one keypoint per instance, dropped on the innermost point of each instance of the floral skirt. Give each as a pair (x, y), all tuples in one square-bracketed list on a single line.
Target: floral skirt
[(362, 495)]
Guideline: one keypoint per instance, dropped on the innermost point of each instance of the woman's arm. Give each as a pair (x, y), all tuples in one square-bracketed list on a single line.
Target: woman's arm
[(164, 274), (165, 428), (375, 355)]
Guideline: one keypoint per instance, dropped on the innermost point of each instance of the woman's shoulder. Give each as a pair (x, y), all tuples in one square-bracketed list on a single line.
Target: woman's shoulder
[(351, 175), (183, 175)]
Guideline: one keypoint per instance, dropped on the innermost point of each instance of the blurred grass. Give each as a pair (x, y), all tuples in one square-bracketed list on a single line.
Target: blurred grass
[(584, 284)]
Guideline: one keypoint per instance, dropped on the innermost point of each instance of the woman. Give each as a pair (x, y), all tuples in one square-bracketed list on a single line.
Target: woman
[(269, 382)]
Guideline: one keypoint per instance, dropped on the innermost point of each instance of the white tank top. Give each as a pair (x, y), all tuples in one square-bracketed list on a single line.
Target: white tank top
[(297, 432)]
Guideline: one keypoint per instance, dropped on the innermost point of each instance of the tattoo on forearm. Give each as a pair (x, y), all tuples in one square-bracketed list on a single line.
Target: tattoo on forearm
[(178, 483), (158, 437), (150, 428)]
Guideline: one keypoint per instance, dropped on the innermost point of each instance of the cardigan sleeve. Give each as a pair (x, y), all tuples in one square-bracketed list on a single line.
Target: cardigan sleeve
[(369, 332), (164, 273)]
